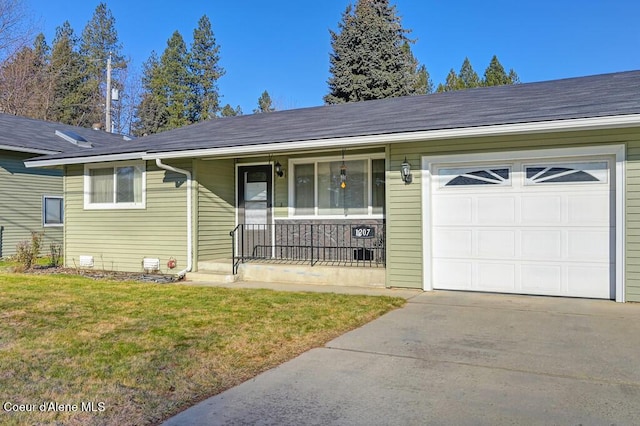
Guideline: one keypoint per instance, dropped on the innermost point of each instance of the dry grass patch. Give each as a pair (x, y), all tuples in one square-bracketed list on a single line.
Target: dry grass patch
[(142, 352)]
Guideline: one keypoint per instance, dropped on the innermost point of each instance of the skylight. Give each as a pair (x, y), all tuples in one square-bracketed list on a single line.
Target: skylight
[(74, 138)]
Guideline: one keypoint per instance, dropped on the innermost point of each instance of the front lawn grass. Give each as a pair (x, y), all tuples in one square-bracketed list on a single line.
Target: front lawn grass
[(142, 352)]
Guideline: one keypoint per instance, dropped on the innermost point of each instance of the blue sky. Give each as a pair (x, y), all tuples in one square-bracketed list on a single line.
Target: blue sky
[(283, 45)]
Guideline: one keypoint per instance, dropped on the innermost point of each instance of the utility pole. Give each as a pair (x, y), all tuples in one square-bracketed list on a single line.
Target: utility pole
[(107, 124)]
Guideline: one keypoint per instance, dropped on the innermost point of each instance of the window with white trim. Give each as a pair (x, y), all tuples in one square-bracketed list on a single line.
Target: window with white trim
[(114, 186), (52, 211), (317, 189)]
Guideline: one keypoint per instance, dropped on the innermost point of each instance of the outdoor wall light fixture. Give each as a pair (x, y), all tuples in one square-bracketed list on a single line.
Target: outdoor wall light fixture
[(343, 173), (405, 171), (279, 170)]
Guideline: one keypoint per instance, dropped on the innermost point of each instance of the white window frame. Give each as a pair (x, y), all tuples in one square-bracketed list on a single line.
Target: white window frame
[(315, 161), (88, 205), (44, 211)]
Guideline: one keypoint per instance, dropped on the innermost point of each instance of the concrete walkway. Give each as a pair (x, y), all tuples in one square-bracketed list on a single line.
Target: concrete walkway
[(452, 358), (405, 293)]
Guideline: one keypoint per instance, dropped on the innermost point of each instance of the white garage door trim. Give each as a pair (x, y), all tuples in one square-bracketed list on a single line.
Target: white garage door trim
[(618, 150)]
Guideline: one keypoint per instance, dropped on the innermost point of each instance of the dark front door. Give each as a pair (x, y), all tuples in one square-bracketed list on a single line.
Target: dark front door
[(255, 203)]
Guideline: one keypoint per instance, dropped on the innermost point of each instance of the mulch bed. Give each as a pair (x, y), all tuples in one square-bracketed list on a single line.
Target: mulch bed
[(105, 275)]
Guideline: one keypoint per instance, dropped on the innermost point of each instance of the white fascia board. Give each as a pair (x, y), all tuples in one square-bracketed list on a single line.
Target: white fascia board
[(85, 160), (27, 150), (609, 122)]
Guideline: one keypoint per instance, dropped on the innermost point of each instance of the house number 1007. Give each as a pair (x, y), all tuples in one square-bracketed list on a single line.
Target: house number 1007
[(363, 232)]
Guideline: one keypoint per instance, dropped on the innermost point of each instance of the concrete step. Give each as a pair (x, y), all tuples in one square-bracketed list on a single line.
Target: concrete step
[(219, 271), (211, 276), (215, 266), (315, 275)]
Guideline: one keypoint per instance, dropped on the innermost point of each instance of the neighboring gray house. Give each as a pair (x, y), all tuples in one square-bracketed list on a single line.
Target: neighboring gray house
[(532, 188), (32, 199)]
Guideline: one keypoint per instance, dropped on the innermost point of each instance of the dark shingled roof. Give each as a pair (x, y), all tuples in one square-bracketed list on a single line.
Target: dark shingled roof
[(29, 135), (574, 98)]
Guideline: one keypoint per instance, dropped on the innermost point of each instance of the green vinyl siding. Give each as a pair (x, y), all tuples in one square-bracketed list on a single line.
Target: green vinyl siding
[(404, 202), (119, 239), (632, 264), (216, 208), (21, 195)]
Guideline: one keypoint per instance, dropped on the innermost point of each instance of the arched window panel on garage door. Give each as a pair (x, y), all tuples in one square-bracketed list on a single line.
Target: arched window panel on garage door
[(587, 172), (474, 176)]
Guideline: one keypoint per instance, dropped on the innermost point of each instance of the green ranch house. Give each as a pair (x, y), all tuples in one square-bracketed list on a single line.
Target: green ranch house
[(530, 189)]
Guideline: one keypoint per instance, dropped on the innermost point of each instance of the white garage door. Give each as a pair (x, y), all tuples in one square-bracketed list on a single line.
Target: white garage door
[(532, 227)]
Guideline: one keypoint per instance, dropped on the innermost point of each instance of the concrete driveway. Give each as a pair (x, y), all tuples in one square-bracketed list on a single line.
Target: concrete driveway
[(453, 358)]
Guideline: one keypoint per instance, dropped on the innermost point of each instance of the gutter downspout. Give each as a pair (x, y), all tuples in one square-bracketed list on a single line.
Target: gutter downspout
[(187, 173)]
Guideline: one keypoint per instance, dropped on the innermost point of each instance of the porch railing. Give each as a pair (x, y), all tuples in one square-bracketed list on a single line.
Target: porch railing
[(310, 243)]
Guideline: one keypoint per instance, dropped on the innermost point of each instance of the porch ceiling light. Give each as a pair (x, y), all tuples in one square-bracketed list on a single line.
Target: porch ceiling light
[(343, 175), (405, 171)]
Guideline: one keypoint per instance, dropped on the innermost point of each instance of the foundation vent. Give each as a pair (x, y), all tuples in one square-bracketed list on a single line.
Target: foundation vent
[(86, 261), (150, 264)]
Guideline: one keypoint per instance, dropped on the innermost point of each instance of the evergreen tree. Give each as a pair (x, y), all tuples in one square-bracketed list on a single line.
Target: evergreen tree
[(68, 72), (468, 78), (99, 41), (452, 83), (229, 111), (42, 81), (151, 114), (174, 81), (206, 71), (264, 104), (369, 60), (167, 99), (423, 84), (495, 74)]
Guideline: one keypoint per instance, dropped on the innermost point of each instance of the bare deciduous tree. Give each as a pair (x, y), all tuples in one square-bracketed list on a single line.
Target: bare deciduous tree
[(16, 27)]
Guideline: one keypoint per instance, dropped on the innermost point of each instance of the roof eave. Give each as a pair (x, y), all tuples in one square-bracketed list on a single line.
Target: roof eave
[(27, 150), (594, 123), (566, 125), (82, 160)]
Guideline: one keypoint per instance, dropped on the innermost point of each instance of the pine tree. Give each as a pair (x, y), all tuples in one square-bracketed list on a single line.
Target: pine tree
[(369, 58), (99, 41), (264, 104), (174, 81), (206, 71), (167, 99), (151, 114), (468, 78), (423, 84), (229, 111), (495, 74), (68, 72), (452, 83)]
